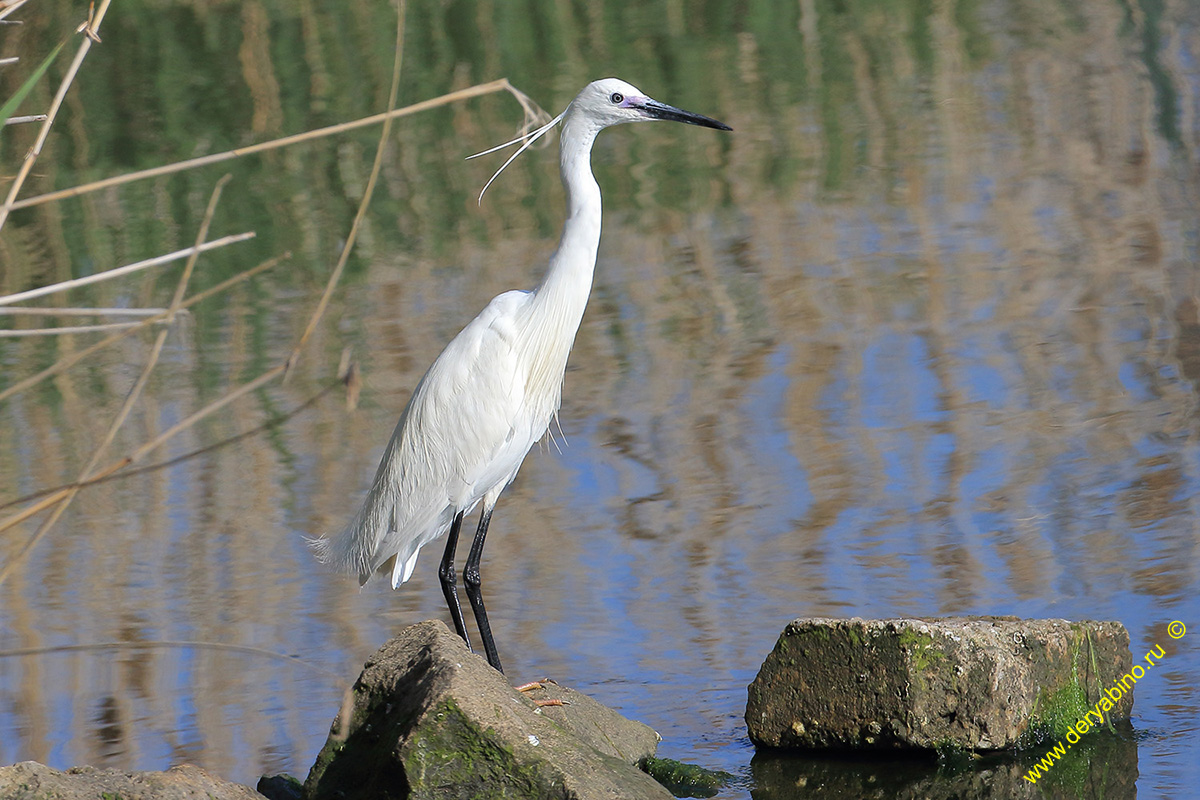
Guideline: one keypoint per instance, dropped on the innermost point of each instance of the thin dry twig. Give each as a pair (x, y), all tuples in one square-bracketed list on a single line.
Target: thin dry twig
[(273, 422), (50, 311), (92, 25), (242, 390), (116, 272), (462, 94), (67, 362), (92, 475), (65, 330), (10, 7), (126, 461), (134, 393), (29, 118), (207, 411), (88, 28), (336, 275)]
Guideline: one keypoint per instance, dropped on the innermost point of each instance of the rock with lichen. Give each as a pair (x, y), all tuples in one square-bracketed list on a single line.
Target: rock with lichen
[(30, 780), (429, 719), (956, 683)]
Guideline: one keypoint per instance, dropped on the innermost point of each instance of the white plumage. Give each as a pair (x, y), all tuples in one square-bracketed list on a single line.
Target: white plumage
[(493, 391)]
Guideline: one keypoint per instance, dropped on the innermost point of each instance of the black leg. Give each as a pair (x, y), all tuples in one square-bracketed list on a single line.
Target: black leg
[(471, 582), (446, 575)]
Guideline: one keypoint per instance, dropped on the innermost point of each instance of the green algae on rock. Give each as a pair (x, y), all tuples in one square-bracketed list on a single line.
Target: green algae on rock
[(429, 719), (971, 683)]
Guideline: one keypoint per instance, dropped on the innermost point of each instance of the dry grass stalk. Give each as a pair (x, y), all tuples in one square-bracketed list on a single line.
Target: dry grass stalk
[(29, 118), (60, 499), (368, 192), (463, 94), (282, 369), (9, 6), (208, 410), (134, 393), (38, 311), (116, 272), (63, 497), (108, 475), (56, 497), (67, 362), (66, 330), (91, 26)]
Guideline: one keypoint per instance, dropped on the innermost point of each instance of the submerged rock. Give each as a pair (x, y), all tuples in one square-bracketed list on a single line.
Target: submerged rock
[(280, 787), (957, 683), (686, 780), (429, 719), (29, 780)]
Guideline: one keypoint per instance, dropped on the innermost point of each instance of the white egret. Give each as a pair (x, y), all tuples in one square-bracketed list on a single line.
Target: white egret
[(492, 392)]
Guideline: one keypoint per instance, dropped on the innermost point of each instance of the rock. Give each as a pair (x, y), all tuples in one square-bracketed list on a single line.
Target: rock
[(429, 719), (686, 780), (29, 780), (280, 787), (973, 683)]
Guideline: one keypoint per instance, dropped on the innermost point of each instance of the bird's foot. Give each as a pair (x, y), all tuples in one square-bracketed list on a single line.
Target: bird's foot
[(533, 685), (529, 687)]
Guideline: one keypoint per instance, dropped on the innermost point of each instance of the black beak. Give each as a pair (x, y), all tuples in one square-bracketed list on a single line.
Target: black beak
[(657, 110)]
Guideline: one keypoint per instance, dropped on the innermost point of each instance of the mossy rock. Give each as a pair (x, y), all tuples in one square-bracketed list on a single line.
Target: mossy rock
[(685, 780), (429, 719), (940, 685)]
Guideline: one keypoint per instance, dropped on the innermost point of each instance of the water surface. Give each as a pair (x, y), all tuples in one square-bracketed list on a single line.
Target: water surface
[(921, 337)]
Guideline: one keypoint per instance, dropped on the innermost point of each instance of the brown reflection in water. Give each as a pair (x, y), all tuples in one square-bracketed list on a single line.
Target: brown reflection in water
[(962, 298), (109, 730)]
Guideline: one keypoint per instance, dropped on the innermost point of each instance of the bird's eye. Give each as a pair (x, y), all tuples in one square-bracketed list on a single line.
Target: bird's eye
[(617, 98)]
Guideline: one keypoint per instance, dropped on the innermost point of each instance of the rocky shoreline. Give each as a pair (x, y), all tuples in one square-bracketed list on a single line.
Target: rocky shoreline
[(429, 719)]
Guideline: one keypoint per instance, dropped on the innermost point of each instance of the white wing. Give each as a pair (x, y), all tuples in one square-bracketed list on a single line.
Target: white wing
[(462, 438)]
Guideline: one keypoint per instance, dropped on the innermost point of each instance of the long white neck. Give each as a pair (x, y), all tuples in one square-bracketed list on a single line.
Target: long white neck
[(568, 281), (557, 305)]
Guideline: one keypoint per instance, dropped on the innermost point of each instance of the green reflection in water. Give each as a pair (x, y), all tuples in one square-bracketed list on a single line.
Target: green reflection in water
[(910, 120)]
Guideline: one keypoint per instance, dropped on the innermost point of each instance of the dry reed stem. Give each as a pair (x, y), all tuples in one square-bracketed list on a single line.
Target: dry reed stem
[(63, 496), (67, 362), (330, 285), (134, 394), (65, 330), (109, 475), (209, 409), (281, 369), (92, 25), (27, 118), (181, 287), (117, 272), (74, 311), (10, 7), (453, 97), (336, 275)]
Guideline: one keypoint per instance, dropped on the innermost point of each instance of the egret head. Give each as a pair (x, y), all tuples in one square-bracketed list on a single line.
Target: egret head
[(602, 103), (611, 101)]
